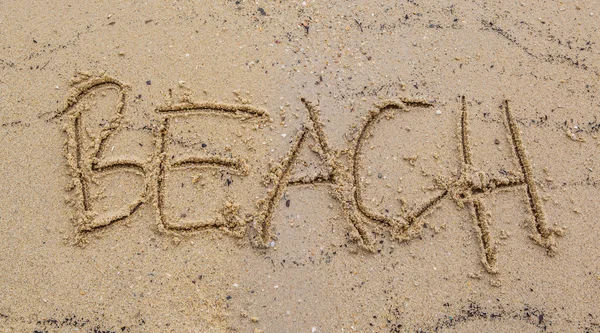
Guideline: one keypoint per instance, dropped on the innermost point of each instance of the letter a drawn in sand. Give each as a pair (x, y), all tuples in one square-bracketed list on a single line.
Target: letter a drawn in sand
[(281, 175)]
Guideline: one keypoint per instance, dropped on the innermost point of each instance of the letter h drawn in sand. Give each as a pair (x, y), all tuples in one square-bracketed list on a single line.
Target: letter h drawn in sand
[(472, 184), (466, 190)]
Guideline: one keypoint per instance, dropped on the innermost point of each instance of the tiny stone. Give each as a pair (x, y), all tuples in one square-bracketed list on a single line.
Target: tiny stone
[(438, 112)]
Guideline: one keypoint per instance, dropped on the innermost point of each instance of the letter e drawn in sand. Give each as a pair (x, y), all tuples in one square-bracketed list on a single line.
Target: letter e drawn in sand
[(85, 150), (228, 217)]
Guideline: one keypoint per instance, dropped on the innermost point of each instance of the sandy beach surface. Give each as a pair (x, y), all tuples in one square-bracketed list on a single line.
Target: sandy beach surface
[(299, 166)]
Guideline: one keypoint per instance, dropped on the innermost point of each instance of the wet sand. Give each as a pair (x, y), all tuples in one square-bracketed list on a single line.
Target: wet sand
[(237, 166)]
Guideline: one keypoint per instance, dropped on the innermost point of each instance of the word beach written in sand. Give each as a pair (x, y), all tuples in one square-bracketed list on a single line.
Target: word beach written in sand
[(177, 178)]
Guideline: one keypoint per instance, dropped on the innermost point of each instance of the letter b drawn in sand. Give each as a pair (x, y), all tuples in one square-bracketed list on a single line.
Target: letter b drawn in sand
[(94, 113)]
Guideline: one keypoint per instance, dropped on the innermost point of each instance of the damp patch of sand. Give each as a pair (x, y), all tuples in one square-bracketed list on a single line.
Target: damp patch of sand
[(303, 166)]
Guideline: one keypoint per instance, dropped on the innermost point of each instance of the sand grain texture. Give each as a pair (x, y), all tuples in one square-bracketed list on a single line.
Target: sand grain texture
[(237, 166)]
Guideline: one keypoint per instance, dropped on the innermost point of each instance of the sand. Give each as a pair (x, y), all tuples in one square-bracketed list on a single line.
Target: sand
[(299, 166)]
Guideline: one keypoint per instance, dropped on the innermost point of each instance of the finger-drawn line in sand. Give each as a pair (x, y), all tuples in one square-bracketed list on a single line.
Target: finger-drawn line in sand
[(544, 235), (315, 128), (263, 221), (467, 189), (229, 219), (86, 161)]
